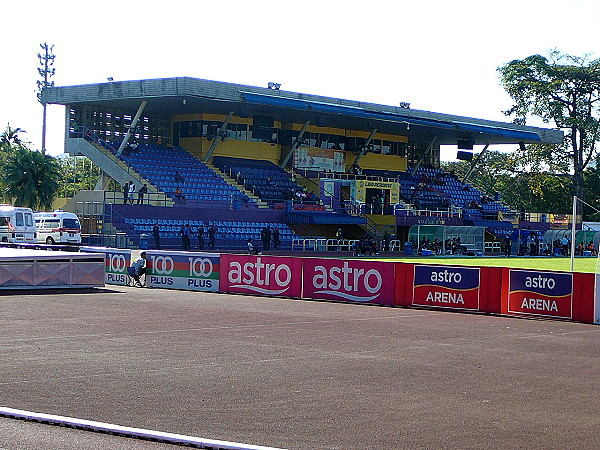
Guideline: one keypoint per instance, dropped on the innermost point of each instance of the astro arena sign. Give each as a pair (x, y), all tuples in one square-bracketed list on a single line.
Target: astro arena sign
[(447, 287), (541, 293), (183, 270)]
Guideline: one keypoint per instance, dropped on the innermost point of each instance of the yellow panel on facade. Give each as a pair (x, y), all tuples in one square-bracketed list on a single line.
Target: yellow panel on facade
[(249, 149), (379, 162)]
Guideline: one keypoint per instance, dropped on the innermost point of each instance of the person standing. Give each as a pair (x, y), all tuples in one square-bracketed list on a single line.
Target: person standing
[(126, 193), (211, 237), (201, 237), (265, 237), (142, 191), (276, 239), (156, 234), (131, 192), (186, 235)]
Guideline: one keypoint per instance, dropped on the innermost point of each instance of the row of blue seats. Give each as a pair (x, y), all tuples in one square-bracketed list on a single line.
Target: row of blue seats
[(192, 222)]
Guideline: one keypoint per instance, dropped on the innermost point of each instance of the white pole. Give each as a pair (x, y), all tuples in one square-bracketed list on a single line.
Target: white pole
[(573, 234)]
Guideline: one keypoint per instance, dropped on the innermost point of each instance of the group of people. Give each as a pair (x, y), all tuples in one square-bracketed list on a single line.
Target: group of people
[(453, 246), (129, 193), (186, 233), (268, 236), (365, 247)]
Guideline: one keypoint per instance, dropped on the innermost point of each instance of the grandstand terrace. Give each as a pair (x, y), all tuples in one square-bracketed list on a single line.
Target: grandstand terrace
[(247, 157)]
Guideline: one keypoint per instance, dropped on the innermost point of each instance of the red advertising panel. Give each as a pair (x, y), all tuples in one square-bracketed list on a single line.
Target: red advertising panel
[(353, 280), (262, 275), (536, 293), (446, 287)]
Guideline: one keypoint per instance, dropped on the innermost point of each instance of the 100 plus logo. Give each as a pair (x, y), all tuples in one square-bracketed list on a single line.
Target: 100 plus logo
[(262, 275), (356, 281)]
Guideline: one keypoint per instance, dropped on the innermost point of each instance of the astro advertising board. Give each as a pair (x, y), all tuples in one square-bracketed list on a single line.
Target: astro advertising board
[(540, 293), (183, 270), (270, 276), (447, 287), (116, 262), (352, 280)]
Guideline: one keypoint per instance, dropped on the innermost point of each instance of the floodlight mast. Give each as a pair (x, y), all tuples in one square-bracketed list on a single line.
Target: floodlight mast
[(46, 71)]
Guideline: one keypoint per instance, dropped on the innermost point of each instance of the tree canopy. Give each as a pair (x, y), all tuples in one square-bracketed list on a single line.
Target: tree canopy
[(31, 178), (563, 90)]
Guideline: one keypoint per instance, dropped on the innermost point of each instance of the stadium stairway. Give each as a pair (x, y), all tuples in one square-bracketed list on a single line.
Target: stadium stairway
[(231, 181)]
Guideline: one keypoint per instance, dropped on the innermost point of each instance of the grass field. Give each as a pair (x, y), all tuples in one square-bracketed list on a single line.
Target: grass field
[(582, 264)]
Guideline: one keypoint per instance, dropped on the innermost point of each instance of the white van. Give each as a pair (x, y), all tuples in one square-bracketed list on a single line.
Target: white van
[(58, 227), (16, 224)]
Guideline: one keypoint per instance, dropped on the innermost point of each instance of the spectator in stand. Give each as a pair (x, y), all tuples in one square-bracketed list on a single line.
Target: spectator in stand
[(211, 237), (131, 192), (126, 193), (179, 195), (178, 177), (156, 234), (339, 234), (142, 191)]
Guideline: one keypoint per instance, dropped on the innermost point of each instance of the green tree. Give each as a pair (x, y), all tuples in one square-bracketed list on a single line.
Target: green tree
[(10, 139), (530, 179), (563, 90), (77, 173), (30, 178)]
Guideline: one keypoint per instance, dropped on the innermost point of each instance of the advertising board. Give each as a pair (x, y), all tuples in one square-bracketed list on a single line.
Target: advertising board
[(183, 270), (351, 280), (536, 293), (446, 287), (262, 275), (116, 261)]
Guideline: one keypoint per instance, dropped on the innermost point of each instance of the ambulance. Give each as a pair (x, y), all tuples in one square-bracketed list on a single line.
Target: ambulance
[(16, 224), (58, 227)]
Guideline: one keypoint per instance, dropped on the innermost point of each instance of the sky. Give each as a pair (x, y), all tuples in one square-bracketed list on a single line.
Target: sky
[(437, 55)]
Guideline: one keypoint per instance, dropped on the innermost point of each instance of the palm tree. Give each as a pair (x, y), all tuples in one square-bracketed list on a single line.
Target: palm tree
[(9, 139), (31, 178)]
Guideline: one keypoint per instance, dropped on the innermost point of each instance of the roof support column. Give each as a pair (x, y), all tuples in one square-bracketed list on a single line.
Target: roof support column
[(365, 148), (133, 125), (215, 141), (474, 163), (295, 145), (425, 153)]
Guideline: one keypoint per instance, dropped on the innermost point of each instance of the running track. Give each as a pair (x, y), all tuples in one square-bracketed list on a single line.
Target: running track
[(292, 373)]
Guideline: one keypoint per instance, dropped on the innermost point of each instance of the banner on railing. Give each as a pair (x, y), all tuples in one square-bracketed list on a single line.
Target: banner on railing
[(547, 294), (183, 270), (446, 287), (116, 261), (353, 280), (263, 275)]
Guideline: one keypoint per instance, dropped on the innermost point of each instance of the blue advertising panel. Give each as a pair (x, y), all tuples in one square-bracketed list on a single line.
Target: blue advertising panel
[(446, 287)]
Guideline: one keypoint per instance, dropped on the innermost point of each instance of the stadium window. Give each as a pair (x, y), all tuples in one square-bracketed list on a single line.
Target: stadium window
[(195, 128), (386, 148), (376, 143), (184, 129)]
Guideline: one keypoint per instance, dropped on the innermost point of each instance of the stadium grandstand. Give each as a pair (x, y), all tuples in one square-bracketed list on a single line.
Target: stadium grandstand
[(241, 158)]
